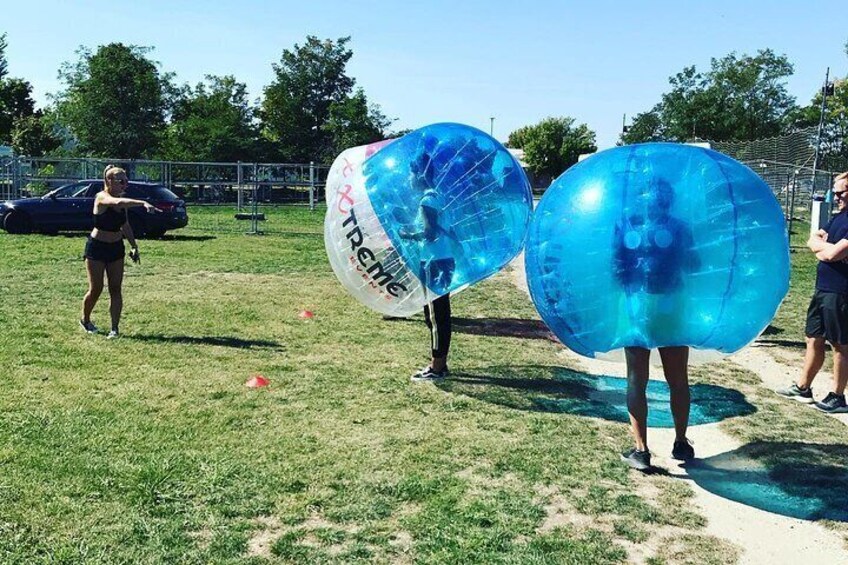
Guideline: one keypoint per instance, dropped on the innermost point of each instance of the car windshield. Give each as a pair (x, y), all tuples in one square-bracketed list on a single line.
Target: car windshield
[(76, 190)]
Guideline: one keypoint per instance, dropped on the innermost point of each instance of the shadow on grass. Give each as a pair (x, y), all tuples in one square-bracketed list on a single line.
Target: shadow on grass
[(782, 343), (556, 389), (504, 327), (235, 342), (800, 480), (182, 237)]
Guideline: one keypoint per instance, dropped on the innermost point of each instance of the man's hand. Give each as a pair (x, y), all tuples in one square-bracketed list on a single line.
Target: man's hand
[(817, 242), (134, 255)]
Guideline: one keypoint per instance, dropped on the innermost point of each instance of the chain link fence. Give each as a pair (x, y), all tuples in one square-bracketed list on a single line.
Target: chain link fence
[(237, 197), (786, 164)]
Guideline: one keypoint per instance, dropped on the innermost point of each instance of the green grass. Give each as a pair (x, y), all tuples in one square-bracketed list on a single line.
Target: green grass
[(149, 449)]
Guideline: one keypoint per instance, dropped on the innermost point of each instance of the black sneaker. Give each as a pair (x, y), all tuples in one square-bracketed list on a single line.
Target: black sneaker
[(88, 327), (833, 404), (428, 374), (797, 393), (683, 450), (635, 459)]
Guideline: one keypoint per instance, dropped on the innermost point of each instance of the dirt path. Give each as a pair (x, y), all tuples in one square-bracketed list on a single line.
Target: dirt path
[(761, 536)]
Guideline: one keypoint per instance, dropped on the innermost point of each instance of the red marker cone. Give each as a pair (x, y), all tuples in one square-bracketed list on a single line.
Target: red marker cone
[(257, 381), (306, 314)]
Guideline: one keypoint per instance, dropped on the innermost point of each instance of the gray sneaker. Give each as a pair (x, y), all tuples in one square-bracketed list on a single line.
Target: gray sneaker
[(635, 459), (795, 392), (88, 327), (113, 335), (428, 374), (833, 404)]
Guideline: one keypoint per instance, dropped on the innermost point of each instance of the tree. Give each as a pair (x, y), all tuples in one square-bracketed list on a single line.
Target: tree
[(15, 103), (212, 122), (553, 145), (307, 106), (518, 138), (115, 101), (646, 126), (15, 97), (354, 122), (741, 97), (33, 135)]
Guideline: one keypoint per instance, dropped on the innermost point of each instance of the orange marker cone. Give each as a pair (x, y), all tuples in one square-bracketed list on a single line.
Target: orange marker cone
[(257, 381)]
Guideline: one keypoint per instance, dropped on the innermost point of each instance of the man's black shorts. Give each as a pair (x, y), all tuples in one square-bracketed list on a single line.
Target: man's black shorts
[(827, 317)]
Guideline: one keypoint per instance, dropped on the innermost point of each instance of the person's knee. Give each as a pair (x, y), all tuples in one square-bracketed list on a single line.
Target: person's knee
[(95, 290), (816, 343), (840, 349), (115, 291)]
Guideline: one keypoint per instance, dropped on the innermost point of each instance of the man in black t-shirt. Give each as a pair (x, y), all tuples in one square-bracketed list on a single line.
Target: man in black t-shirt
[(827, 316)]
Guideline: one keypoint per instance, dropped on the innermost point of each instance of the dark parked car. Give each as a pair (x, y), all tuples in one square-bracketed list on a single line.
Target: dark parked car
[(69, 208)]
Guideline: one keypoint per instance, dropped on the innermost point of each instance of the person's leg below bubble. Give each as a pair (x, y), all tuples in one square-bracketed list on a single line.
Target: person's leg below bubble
[(437, 316), (637, 403), (441, 275), (95, 270), (115, 274), (675, 362), (637, 359)]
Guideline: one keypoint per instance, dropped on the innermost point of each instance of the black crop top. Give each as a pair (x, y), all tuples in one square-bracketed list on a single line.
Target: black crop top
[(110, 220)]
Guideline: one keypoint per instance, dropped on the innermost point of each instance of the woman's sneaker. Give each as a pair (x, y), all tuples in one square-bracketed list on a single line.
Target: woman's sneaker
[(428, 374), (88, 327), (683, 450), (797, 393), (833, 404), (113, 334), (635, 459)]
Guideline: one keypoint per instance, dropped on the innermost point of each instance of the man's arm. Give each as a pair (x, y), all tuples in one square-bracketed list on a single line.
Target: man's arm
[(818, 241), (831, 252)]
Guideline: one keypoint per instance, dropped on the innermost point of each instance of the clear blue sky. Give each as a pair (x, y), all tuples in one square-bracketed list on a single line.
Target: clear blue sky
[(462, 61)]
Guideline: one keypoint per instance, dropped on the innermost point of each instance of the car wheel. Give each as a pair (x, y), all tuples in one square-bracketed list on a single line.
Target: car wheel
[(155, 234), (17, 222)]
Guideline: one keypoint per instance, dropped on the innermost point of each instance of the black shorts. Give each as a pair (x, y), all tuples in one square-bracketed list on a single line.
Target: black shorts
[(97, 250), (827, 317)]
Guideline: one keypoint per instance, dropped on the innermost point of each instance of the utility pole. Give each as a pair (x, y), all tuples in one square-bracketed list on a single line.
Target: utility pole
[(821, 127), (492, 126)]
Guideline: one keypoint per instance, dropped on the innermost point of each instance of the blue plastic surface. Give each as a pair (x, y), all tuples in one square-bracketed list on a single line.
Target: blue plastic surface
[(654, 245), (476, 195)]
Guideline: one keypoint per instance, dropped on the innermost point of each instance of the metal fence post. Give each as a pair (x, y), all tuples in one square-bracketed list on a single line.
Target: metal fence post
[(312, 185), (239, 193), (255, 198)]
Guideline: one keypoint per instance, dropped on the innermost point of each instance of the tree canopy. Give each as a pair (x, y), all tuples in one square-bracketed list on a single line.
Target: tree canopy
[(16, 101), (115, 101), (309, 105), (212, 122), (553, 145), (742, 97)]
